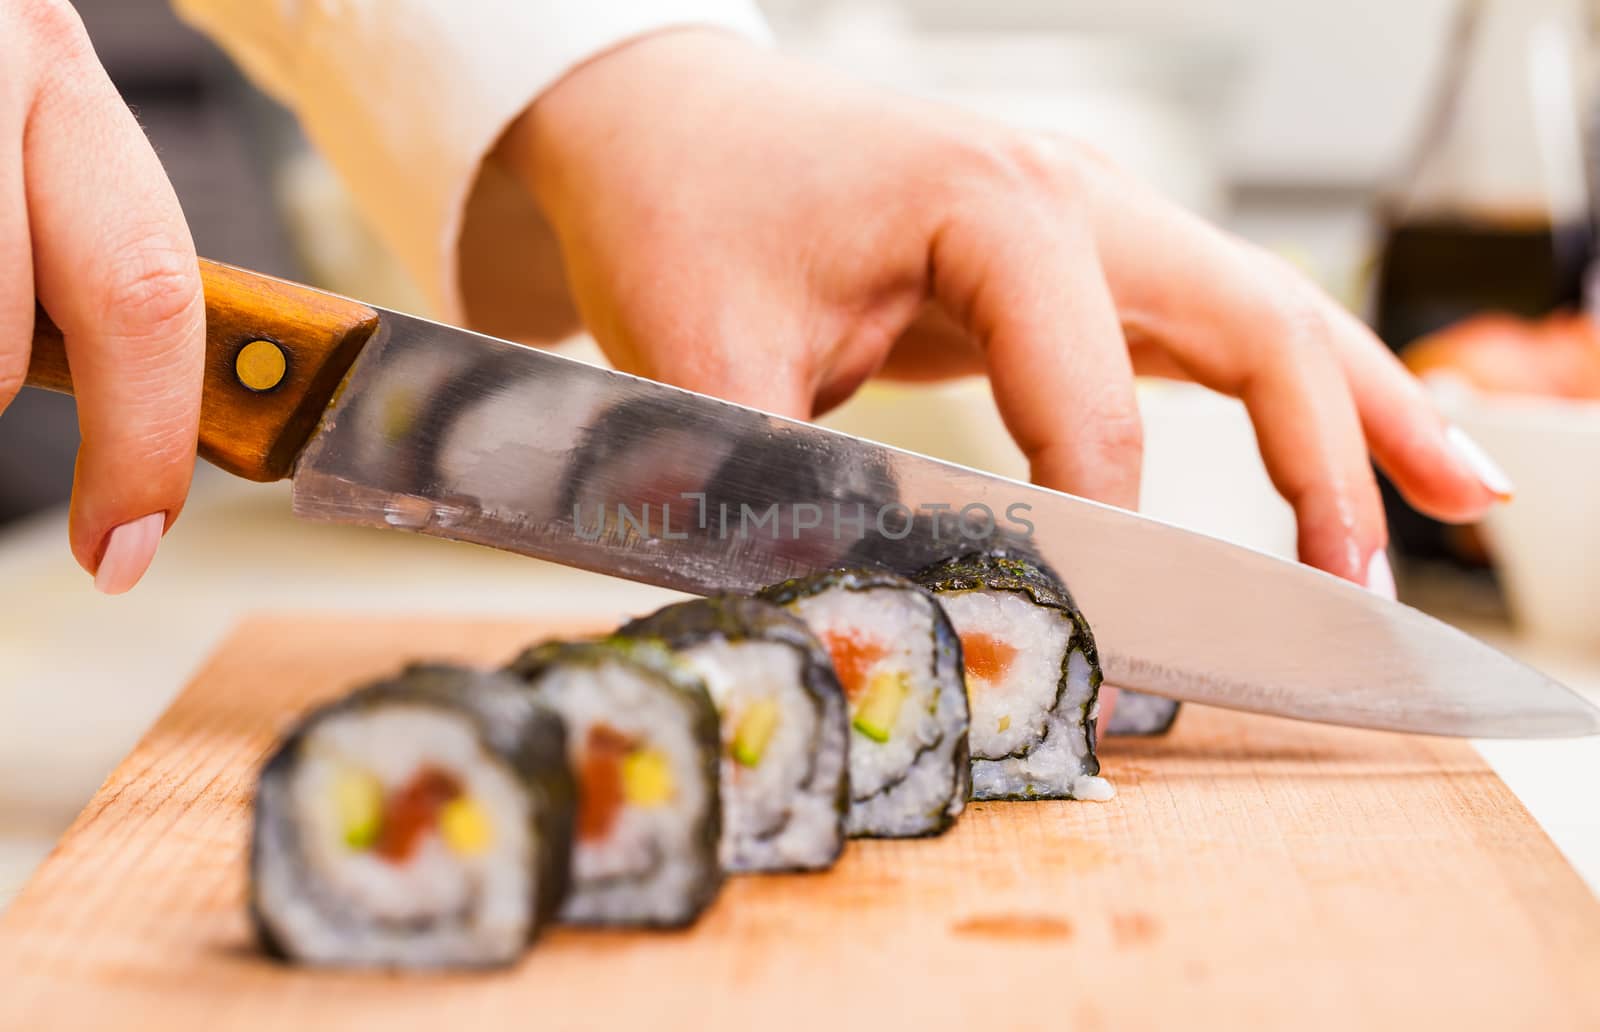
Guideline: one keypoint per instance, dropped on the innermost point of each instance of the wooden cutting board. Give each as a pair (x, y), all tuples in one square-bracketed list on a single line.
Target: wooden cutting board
[(1250, 873)]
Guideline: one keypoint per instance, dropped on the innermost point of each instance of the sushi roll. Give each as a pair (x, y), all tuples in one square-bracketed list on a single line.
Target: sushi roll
[(1139, 714), (785, 785), (421, 822), (899, 663), (1033, 677), (642, 741)]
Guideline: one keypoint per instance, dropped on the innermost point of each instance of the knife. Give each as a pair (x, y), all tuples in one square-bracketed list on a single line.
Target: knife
[(388, 420)]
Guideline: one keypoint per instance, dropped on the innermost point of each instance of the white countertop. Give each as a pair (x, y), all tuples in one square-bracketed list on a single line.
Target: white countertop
[(86, 675)]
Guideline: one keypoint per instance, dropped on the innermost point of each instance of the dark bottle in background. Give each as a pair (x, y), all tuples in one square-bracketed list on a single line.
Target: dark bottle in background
[(1492, 213)]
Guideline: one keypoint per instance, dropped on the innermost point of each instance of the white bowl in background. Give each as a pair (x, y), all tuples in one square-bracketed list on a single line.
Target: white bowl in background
[(1546, 540)]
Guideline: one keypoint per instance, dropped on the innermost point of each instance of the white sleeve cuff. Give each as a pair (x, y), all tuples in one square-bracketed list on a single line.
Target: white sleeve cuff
[(405, 98)]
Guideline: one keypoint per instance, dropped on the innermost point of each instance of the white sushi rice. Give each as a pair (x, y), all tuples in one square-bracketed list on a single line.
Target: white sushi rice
[(1008, 714), (338, 905), (650, 865), (1026, 741), (781, 813), (902, 786)]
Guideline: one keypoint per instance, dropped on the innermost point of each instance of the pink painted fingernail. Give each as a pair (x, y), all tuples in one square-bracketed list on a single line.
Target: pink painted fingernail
[(1380, 576), (129, 550), (1488, 472)]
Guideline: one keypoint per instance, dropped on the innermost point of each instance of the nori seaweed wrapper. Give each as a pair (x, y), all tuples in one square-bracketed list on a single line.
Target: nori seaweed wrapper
[(527, 738), (1011, 570), (933, 538), (947, 663), (657, 662), (1136, 713), (737, 618)]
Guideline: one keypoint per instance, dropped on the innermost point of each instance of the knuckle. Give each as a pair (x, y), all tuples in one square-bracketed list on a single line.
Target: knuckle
[(1109, 434), (1296, 325), (1034, 162), (54, 26), (1303, 323), (1118, 430), (151, 289), (1291, 304), (1014, 163)]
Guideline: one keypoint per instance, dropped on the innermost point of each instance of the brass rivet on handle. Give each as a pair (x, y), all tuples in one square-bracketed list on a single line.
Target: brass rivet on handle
[(260, 365)]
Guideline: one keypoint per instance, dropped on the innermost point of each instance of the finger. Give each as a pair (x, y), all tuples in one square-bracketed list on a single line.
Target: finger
[(933, 347), (16, 257), (1238, 323), (1035, 299), (1311, 442), (728, 352), (115, 268), (1438, 469)]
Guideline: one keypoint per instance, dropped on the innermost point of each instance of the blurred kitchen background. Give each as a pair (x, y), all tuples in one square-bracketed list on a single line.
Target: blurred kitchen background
[(1425, 161)]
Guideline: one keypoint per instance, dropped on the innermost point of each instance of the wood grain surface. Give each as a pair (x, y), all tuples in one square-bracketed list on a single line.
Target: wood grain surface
[(251, 434), (1251, 873)]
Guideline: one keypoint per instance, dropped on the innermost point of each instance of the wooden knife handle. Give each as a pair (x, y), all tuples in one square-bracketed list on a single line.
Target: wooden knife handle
[(275, 354)]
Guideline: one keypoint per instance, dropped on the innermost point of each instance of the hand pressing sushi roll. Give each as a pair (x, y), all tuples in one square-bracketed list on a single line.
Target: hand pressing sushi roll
[(785, 785), (1033, 677), (642, 742), (899, 663), (421, 822)]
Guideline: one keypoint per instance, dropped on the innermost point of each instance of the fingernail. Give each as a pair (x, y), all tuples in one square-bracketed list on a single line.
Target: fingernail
[(129, 550), (1489, 474), (1380, 576)]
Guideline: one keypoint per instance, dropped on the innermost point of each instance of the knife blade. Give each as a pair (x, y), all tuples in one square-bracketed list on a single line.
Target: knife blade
[(440, 431)]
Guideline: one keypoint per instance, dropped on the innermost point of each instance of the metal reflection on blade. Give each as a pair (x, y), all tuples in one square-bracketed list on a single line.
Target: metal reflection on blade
[(462, 436)]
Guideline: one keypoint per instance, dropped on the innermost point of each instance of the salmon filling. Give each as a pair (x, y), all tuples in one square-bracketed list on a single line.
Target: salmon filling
[(616, 771), (875, 696), (600, 780), (395, 826), (853, 655), (987, 657)]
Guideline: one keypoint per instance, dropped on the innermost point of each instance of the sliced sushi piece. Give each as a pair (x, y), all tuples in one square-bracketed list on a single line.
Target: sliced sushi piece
[(421, 822), (1139, 714), (1033, 677), (899, 663), (785, 784), (642, 741)]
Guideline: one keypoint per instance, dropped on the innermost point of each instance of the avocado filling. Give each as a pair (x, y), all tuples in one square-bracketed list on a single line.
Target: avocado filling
[(358, 800), (754, 732), (880, 707)]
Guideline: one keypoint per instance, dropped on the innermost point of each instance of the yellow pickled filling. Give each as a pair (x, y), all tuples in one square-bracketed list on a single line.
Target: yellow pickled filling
[(646, 777), (1005, 723), (358, 801), (880, 705), (754, 732), (465, 826)]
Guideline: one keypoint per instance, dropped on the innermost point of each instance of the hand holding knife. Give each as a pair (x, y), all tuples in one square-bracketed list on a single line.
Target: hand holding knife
[(387, 420)]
